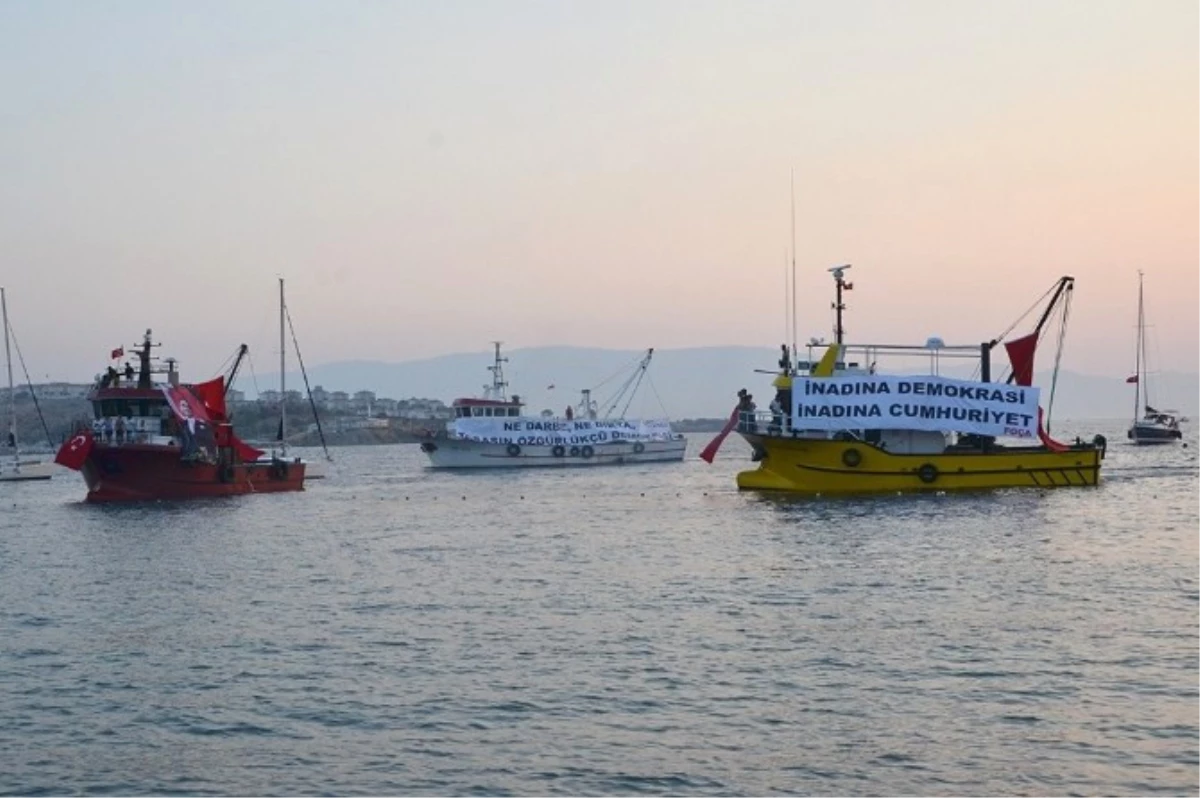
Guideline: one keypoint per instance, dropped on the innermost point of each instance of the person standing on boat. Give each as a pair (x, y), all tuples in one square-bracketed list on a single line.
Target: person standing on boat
[(746, 408), (776, 426), (570, 413)]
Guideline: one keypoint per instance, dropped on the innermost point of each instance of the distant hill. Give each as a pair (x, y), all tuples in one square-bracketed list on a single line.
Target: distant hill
[(691, 383)]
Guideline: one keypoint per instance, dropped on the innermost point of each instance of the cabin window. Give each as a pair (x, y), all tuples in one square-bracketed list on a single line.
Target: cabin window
[(477, 411), (512, 411)]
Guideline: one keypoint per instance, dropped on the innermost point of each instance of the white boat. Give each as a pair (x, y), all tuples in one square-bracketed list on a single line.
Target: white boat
[(492, 432), (13, 467), (1155, 426)]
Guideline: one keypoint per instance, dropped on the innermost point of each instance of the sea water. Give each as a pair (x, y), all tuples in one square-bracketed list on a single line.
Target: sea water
[(625, 630)]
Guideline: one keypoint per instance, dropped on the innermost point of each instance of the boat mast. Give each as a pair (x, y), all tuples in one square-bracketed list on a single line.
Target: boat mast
[(282, 378), (839, 273), (496, 391), (1139, 355), (795, 348), (12, 398)]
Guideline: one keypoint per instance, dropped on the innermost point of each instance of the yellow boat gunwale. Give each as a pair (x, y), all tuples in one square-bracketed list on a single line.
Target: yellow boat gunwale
[(823, 465)]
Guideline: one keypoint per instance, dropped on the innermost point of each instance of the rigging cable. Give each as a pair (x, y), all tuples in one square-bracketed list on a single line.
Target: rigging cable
[(1062, 334), (12, 333), (641, 372), (1021, 318), (616, 374), (654, 391), (307, 389), (253, 375)]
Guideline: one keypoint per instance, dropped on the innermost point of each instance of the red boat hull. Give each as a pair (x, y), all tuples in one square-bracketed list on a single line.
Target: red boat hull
[(145, 473)]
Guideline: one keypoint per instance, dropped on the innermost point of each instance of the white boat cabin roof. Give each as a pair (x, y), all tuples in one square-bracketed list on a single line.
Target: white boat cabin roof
[(487, 408)]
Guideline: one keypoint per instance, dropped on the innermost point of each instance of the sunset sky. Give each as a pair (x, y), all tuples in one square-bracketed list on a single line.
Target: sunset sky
[(431, 176)]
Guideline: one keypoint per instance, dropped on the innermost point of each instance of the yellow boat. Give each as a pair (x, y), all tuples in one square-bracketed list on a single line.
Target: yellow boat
[(851, 430), (826, 466)]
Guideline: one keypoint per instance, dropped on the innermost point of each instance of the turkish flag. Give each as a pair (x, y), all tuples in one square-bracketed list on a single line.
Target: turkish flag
[(245, 452), (1020, 354), (710, 451), (212, 395), (1045, 438), (74, 452), (1134, 378), (118, 352)]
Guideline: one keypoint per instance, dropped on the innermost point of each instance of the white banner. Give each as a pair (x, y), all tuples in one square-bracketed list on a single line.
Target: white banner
[(557, 431), (884, 401)]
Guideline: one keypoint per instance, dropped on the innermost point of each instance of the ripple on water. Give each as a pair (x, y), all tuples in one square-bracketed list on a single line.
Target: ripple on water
[(381, 634)]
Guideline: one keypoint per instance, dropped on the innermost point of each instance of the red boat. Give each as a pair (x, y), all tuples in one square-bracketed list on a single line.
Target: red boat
[(164, 440)]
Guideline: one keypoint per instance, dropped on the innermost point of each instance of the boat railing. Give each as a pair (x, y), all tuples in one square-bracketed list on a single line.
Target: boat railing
[(123, 430), (774, 424)]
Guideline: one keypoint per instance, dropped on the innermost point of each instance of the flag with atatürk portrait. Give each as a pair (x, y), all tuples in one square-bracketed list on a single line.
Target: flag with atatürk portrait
[(195, 426)]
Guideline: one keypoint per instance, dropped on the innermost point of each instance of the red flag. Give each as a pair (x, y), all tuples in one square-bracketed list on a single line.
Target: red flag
[(74, 452), (245, 451), (1134, 378), (1047, 441), (848, 286), (710, 451), (212, 395), (118, 352), (1020, 354)]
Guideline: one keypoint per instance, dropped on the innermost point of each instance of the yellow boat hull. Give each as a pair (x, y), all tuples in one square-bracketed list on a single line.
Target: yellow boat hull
[(822, 466)]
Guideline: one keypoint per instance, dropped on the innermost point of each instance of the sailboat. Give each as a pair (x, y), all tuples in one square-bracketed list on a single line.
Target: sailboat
[(14, 468), (1156, 426), (313, 470)]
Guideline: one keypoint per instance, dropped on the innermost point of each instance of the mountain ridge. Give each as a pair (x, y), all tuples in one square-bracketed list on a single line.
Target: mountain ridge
[(692, 382)]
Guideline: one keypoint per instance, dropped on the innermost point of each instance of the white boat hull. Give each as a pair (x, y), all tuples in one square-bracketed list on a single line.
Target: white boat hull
[(450, 453), (1151, 434), (25, 470)]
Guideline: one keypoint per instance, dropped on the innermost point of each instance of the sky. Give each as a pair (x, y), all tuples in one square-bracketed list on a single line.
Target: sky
[(431, 176)]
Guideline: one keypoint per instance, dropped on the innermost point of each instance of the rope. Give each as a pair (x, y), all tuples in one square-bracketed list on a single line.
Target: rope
[(307, 389), (253, 375), (21, 358), (662, 406), (630, 386), (226, 362), (1032, 308), (616, 374), (1062, 336)]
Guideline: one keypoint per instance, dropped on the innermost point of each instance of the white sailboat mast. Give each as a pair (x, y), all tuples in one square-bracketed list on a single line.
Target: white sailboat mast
[(1139, 354), (12, 397), (282, 377), (795, 348)]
